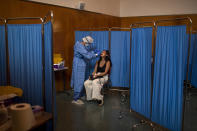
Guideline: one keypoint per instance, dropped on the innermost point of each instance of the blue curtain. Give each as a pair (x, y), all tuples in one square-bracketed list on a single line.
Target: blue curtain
[(80, 34), (25, 57), (170, 59), (78, 37), (2, 56), (120, 56), (101, 42), (140, 92), (193, 60), (49, 80)]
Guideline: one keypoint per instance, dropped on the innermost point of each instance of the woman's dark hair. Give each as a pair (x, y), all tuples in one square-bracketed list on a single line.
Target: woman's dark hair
[(107, 58)]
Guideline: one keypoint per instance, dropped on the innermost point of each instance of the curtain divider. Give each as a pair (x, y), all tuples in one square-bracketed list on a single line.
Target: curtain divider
[(52, 73), (7, 55), (130, 61), (189, 40), (43, 59), (43, 68), (192, 64), (152, 73), (189, 47), (154, 42), (109, 40), (186, 89)]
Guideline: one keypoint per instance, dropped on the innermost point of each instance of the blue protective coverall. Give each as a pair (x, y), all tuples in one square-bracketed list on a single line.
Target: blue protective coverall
[(81, 55)]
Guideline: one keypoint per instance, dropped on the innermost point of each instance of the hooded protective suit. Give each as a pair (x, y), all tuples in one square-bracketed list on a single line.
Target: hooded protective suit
[(81, 55)]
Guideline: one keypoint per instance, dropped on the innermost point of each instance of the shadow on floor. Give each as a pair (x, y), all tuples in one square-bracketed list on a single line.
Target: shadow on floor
[(190, 122), (113, 116)]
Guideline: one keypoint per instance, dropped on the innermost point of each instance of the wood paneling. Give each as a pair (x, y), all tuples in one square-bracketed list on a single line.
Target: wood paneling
[(65, 22)]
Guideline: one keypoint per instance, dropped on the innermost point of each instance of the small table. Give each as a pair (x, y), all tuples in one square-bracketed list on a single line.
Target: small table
[(63, 74), (60, 69)]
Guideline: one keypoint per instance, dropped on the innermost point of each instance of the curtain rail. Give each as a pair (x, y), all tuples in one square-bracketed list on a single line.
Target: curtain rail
[(107, 28), (175, 19), (121, 28), (43, 20), (140, 24), (24, 18), (133, 25)]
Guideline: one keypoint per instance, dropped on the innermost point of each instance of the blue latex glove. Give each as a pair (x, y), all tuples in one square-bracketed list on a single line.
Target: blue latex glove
[(98, 53)]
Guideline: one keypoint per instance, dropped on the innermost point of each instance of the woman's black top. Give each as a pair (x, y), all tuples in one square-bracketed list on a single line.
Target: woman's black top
[(101, 69)]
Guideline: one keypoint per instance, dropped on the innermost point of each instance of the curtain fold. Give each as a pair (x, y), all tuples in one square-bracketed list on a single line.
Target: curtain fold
[(193, 62), (80, 34), (49, 79), (25, 58), (2, 56), (140, 92), (101, 42), (169, 73), (120, 57)]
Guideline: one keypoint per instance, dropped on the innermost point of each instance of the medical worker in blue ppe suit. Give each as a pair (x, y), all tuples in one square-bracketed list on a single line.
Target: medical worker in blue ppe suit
[(81, 55)]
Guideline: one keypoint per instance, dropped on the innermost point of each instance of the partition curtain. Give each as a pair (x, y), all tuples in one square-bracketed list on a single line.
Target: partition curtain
[(2, 56), (48, 67), (50, 96), (25, 60), (170, 59), (120, 56), (140, 92), (80, 34), (193, 61), (101, 42)]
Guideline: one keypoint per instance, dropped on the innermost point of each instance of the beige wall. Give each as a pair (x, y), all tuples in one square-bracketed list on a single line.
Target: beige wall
[(126, 8), (110, 7), (157, 7)]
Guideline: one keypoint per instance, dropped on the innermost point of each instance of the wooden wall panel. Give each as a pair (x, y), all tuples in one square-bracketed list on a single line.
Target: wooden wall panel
[(65, 22)]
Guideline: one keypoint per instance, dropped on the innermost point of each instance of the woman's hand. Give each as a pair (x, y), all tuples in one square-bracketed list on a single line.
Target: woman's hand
[(96, 75)]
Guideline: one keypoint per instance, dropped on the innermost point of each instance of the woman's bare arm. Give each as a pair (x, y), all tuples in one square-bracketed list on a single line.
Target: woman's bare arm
[(95, 68)]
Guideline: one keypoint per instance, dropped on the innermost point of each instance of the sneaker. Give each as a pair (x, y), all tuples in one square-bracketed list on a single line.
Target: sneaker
[(101, 103), (78, 102)]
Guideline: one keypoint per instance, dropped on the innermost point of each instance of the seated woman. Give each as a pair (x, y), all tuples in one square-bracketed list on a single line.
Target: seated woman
[(99, 77)]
